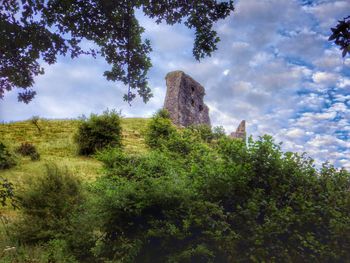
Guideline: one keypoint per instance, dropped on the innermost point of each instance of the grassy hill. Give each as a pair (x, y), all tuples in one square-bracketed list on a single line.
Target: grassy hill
[(188, 199), (55, 144)]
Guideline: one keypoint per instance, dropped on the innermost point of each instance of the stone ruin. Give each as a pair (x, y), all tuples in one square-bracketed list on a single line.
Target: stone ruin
[(184, 102), (240, 133)]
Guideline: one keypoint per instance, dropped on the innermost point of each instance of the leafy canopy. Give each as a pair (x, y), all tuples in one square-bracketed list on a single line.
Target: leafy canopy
[(36, 30), (341, 35)]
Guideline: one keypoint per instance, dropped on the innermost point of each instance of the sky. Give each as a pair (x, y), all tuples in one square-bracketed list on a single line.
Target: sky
[(274, 68)]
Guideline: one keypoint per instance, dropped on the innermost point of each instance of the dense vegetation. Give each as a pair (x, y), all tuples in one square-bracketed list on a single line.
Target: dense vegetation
[(7, 159), (98, 132), (28, 149), (194, 196)]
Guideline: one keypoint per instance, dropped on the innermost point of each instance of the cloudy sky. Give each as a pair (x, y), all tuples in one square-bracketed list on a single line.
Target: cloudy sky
[(274, 68)]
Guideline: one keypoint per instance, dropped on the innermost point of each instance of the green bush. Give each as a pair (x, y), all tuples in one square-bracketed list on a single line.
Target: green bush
[(151, 213), (234, 202), (218, 132), (204, 132), (7, 160), (55, 207), (28, 149), (99, 132), (181, 142), (159, 129), (6, 193), (47, 206)]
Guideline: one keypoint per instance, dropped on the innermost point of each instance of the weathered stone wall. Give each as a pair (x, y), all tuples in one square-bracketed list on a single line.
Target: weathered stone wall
[(184, 100), (240, 133)]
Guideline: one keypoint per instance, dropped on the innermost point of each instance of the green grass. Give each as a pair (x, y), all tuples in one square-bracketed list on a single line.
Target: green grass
[(55, 144)]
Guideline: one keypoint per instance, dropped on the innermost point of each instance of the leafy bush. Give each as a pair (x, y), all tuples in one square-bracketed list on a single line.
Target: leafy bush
[(28, 149), (151, 213), (232, 202), (7, 160), (204, 132), (6, 193), (99, 132), (181, 142), (159, 129), (162, 133), (55, 211), (47, 206), (218, 132)]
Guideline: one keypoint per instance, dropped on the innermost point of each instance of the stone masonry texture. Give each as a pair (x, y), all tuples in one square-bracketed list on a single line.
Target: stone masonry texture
[(184, 100)]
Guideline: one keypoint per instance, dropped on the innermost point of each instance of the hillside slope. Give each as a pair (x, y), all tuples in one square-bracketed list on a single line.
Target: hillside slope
[(55, 144)]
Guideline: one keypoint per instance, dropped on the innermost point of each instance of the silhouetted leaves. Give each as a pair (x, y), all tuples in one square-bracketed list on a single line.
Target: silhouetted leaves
[(341, 35), (34, 30)]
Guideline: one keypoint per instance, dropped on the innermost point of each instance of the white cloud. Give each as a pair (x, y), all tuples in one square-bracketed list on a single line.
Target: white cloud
[(226, 72), (295, 133), (324, 78), (329, 12)]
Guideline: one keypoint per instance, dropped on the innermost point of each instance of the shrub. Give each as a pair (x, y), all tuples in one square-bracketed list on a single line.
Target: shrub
[(99, 132), (204, 132), (28, 149), (54, 210), (218, 132), (155, 215), (181, 142), (232, 202), (159, 129), (47, 206), (7, 160), (7, 193)]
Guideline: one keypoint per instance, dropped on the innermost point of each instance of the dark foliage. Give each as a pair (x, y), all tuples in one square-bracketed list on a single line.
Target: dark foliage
[(47, 205), (7, 193), (219, 132), (187, 200), (229, 203), (53, 210), (341, 35), (35, 30), (204, 132), (7, 159), (28, 149), (159, 129), (99, 132)]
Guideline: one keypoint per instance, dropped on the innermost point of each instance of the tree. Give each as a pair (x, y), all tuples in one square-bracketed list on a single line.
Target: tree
[(33, 31), (341, 35)]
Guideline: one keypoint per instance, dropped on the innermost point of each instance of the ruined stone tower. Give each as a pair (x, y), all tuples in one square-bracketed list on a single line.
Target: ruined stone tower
[(184, 100), (240, 133)]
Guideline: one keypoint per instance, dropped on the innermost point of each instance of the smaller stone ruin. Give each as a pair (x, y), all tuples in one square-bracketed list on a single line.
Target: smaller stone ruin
[(184, 100), (240, 133)]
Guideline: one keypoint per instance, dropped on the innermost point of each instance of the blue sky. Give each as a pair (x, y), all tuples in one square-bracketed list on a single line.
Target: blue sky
[(274, 68)]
